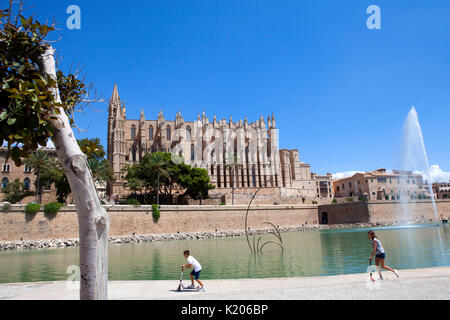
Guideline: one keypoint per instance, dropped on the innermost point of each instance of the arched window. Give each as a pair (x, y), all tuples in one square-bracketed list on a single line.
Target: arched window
[(133, 132), (188, 133), (168, 133), (5, 182), (192, 153), (150, 133), (26, 184), (6, 167)]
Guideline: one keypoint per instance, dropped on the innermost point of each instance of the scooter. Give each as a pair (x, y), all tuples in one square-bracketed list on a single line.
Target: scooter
[(181, 287)]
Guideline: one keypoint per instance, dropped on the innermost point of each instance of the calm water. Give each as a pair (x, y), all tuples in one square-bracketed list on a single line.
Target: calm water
[(308, 253)]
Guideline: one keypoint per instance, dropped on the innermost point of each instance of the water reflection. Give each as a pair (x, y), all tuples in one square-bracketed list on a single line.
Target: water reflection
[(308, 253)]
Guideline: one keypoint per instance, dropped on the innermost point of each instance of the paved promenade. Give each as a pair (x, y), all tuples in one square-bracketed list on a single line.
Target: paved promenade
[(430, 284)]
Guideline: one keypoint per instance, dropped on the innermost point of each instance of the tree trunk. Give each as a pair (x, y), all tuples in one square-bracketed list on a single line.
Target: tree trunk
[(157, 189), (38, 186), (93, 221)]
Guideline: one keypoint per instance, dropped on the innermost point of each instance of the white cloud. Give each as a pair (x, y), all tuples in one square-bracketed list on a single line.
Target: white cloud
[(345, 174), (436, 174)]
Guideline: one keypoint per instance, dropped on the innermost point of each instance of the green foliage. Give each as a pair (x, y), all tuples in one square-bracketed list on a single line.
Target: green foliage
[(133, 202), (386, 197), (52, 207), (334, 201), (92, 148), (101, 170), (196, 182), (158, 174), (32, 208), (15, 192), (156, 214), (303, 199), (350, 199), (6, 207)]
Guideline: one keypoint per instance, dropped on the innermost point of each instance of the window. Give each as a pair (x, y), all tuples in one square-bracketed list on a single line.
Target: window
[(6, 167), (133, 132), (26, 184), (150, 133), (27, 168), (5, 182), (188, 133), (168, 133), (192, 153), (414, 181), (337, 188)]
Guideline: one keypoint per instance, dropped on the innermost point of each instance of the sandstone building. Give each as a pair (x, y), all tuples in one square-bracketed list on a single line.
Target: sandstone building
[(379, 185), (240, 154), (10, 172), (441, 190)]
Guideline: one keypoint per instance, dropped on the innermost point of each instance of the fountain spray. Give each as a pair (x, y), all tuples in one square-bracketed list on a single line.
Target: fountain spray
[(414, 156)]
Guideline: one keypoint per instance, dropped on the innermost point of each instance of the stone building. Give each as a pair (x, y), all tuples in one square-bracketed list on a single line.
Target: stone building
[(240, 154), (379, 185), (441, 190), (324, 185), (10, 172)]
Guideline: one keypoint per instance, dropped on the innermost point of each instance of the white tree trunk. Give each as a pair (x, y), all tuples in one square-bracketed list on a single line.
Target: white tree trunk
[(93, 221)]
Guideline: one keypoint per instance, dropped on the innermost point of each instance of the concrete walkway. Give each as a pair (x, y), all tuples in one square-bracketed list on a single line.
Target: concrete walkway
[(428, 284)]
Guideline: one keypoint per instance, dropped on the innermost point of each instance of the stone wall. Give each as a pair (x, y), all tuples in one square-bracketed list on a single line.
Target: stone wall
[(126, 220), (384, 211)]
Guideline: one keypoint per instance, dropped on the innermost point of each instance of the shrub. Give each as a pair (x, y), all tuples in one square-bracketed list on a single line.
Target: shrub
[(52, 207), (222, 203), (155, 213), (350, 199), (6, 207), (32, 207), (303, 199), (133, 202), (386, 196), (334, 201)]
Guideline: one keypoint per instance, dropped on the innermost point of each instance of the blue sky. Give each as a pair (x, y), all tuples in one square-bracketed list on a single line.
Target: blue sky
[(340, 92)]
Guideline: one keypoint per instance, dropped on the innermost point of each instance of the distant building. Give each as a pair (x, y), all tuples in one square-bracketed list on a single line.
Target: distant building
[(441, 190), (324, 185), (381, 185), (10, 172)]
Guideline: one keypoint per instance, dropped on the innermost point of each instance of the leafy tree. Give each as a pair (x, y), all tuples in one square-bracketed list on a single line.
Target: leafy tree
[(39, 161), (38, 103), (15, 192), (158, 165), (196, 182), (101, 170), (92, 148), (159, 173)]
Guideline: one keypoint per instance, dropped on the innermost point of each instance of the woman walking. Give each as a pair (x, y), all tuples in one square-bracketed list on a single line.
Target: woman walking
[(380, 255)]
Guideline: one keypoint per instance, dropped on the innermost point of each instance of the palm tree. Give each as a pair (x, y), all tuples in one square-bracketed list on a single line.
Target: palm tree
[(39, 161), (158, 166)]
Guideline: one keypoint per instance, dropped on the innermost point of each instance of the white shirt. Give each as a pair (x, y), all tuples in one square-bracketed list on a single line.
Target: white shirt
[(197, 266), (380, 248)]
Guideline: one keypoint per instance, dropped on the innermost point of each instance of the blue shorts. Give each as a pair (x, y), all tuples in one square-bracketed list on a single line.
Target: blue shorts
[(196, 274), (381, 255)]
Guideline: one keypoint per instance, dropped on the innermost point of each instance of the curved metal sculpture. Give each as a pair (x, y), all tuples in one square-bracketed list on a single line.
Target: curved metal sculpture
[(257, 246)]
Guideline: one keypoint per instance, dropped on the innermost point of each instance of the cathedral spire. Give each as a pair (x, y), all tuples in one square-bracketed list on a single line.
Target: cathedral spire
[(115, 94), (273, 121), (142, 115)]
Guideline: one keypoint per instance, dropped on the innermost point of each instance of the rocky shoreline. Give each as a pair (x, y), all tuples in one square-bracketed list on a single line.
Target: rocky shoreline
[(65, 243)]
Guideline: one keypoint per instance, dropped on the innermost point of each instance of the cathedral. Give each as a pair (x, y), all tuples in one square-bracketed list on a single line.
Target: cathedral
[(241, 155)]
